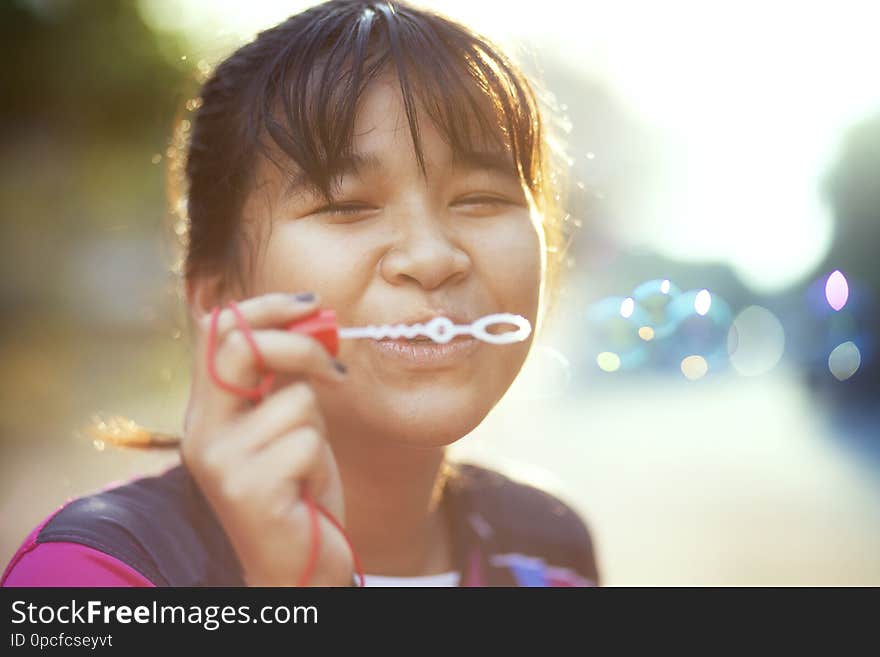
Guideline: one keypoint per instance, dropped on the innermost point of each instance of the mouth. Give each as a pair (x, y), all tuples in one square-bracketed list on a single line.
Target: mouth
[(424, 353)]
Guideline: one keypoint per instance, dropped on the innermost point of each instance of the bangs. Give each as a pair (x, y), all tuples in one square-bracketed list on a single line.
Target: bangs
[(306, 98)]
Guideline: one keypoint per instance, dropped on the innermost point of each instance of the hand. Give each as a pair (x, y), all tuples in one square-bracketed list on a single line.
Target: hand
[(253, 462)]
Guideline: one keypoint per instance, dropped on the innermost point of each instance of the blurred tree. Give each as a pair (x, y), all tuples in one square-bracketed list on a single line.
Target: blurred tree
[(89, 95), (84, 66)]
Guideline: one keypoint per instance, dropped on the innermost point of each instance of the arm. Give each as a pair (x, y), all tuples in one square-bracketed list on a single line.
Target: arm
[(69, 564)]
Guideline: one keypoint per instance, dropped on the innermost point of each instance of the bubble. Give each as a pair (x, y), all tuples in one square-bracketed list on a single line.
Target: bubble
[(608, 361), (694, 367), (756, 341), (654, 296), (836, 290), (844, 360), (546, 374), (157, 157), (612, 327), (701, 325)]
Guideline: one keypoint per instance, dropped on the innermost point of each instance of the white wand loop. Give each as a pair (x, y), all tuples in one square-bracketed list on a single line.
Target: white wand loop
[(442, 330)]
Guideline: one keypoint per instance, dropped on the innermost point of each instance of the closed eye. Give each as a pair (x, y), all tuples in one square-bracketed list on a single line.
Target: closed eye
[(484, 200), (344, 208)]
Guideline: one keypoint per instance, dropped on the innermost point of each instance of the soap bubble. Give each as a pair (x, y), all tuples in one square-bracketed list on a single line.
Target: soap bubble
[(546, 374), (654, 296), (756, 341), (702, 321), (612, 327)]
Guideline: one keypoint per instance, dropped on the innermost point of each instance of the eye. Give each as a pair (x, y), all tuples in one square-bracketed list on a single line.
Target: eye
[(346, 210), (483, 199), (483, 204)]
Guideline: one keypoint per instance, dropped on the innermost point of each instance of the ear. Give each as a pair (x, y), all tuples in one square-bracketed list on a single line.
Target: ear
[(203, 294)]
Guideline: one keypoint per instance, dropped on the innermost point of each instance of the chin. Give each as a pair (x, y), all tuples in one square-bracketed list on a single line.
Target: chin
[(428, 418)]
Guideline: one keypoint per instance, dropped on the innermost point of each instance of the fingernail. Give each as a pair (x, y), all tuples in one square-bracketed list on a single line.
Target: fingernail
[(342, 369), (304, 297)]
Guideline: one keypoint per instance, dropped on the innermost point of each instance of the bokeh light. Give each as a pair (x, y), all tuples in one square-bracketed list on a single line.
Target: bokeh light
[(756, 341), (844, 360), (608, 361), (694, 367), (836, 290), (702, 302)]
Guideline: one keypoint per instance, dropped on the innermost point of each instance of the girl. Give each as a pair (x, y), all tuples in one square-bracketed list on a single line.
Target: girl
[(387, 163)]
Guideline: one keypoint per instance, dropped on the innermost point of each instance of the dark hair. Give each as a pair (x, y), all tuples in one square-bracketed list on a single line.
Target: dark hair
[(294, 92)]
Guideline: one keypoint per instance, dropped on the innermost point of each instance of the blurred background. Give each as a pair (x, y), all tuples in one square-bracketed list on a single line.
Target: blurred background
[(707, 393)]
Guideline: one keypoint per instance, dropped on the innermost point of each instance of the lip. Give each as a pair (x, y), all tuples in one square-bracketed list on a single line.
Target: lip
[(427, 354)]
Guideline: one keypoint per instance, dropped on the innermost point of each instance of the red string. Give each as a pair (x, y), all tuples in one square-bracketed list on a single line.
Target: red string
[(257, 393)]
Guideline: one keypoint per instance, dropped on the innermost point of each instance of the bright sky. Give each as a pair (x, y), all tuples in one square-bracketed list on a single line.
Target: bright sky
[(750, 98)]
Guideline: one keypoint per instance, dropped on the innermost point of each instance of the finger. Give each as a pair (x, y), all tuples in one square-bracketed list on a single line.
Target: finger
[(277, 474), (264, 311), (283, 352), (293, 406), (289, 408)]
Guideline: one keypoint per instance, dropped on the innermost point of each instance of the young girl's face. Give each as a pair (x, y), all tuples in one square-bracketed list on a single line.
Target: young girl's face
[(399, 247)]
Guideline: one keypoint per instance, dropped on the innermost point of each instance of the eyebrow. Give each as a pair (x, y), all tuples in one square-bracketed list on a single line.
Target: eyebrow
[(354, 164), (357, 165), (492, 161)]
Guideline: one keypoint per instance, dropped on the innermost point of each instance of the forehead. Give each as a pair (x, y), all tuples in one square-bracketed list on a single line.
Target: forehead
[(383, 140), (382, 131)]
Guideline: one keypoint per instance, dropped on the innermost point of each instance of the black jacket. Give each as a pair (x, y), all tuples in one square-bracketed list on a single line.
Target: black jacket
[(504, 533)]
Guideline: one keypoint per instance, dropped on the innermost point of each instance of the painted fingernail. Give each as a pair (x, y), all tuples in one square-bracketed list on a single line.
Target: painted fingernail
[(304, 297), (342, 369)]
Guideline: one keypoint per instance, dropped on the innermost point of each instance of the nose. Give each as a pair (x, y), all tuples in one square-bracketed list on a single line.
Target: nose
[(424, 252)]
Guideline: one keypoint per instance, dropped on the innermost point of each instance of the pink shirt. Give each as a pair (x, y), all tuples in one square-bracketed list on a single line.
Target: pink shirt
[(66, 564)]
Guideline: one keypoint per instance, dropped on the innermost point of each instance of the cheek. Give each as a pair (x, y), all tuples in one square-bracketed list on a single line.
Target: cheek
[(511, 265), (303, 257)]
